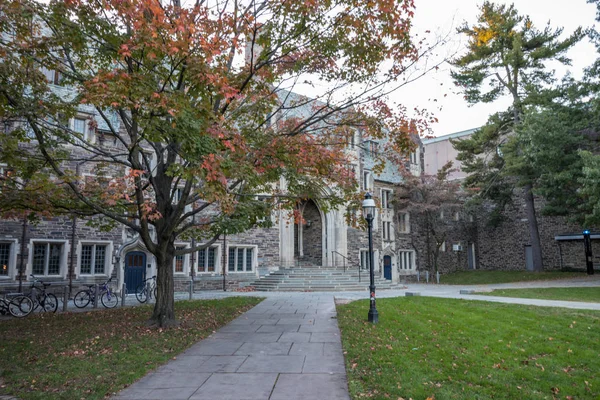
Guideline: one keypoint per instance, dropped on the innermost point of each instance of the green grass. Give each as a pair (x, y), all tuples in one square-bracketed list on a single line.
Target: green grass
[(94, 354), (491, 277), (588, 294), (459, 349)]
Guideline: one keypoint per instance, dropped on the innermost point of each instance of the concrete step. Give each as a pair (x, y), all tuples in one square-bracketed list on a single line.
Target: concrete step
[(319, 278)]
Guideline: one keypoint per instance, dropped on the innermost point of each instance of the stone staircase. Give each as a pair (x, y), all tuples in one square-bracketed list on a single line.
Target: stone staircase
[(319, 279)]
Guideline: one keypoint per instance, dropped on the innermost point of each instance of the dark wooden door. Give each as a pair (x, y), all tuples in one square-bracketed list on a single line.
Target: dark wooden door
[(387, 267), (135, 269)]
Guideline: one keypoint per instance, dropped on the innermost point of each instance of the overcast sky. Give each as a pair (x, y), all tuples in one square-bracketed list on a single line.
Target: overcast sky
[(442, 15)]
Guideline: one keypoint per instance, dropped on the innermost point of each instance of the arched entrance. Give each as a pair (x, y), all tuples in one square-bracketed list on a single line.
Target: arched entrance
[(308, 243)]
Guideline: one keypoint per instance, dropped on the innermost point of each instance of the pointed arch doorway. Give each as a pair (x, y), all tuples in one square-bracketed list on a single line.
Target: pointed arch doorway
[(310, 234)]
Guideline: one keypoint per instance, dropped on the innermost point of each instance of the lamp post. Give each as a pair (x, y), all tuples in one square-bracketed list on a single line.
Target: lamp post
[(587, 243), (369, 211)]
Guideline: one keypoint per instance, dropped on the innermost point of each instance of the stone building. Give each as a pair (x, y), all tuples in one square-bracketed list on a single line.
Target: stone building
[(477, 245)]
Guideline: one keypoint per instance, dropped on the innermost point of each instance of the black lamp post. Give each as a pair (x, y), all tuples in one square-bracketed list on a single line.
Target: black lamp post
[(587, 243), (369, 211)]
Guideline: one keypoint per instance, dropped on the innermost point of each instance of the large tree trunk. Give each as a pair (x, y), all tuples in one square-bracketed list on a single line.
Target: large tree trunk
[(164, 309), (534, 234)]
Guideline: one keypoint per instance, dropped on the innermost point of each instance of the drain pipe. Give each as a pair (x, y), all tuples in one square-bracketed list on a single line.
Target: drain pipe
[(73, 247), (22, 261)]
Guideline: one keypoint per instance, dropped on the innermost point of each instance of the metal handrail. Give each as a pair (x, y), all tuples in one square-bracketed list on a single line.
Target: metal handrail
[(351, 263)]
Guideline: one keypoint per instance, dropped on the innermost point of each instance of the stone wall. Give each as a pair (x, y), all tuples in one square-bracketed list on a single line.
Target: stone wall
[(503, 247)]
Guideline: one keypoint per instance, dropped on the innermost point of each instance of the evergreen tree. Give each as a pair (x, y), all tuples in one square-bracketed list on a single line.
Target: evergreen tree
[(507, 55)]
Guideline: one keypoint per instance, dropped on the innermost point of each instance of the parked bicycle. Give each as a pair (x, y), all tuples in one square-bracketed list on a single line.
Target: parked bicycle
[(40, 298), (17, 304), (146, 290), (107, 296)]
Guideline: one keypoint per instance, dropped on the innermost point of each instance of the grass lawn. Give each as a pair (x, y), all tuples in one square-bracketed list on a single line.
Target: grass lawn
[(588, 294), (489, 277), (93, 354), (459, 349)]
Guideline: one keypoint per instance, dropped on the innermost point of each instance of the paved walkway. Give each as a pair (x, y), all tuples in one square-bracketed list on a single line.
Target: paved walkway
[(286, 348)]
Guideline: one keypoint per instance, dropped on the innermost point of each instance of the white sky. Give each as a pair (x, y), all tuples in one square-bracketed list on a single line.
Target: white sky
[(442, 16)]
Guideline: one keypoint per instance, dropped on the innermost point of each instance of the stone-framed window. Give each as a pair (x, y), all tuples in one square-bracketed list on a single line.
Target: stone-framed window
[(5, 175), (48, 257), (180, 262), (363, 255), (386, 199), (387, 231), (404, 222), (7, 258), (406, 260), (208, 259), (366, 181), (52, 76), (81, 125), (241, 258), (94, 258)]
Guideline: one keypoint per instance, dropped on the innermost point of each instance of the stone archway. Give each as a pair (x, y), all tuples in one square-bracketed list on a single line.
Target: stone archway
[(308, 243)]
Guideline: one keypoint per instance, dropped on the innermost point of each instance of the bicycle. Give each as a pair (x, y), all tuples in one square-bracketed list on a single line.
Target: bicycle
[(18, 305), (107, 297), (46, 301), (145, 290)]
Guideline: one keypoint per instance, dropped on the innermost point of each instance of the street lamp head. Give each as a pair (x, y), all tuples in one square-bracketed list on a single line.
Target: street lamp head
[(586, 232), (368, 206)]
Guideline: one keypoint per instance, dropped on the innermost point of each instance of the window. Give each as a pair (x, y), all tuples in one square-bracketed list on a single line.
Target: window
[(81, 126), (47, 258), (442, 215), (207, 259), (413, 158), (240, 259), (386, 198), (52, 76), (443, 246), (366, 180), (457, 216), (404, 222), (407, 259), (93, 259), (4, 258), (387, 230), (5, 174), (364, 259), (179, 261)]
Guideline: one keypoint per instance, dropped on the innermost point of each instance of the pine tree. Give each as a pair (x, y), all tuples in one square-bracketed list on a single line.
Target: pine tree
[(507, 55)]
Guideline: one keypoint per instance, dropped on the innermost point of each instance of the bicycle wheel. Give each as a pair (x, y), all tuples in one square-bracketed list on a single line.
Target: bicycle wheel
[(81, 299), (109, 300), (141, 293), (20, 306), (50, 303)]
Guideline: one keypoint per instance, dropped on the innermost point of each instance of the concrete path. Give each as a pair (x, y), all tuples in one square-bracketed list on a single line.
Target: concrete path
[(286, 348)]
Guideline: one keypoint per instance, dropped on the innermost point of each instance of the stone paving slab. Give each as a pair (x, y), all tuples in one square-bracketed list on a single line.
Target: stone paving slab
[(263, 354)]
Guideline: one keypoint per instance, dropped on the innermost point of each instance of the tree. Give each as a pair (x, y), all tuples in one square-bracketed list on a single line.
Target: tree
[(426, 197), (183, 132), (508, 55)]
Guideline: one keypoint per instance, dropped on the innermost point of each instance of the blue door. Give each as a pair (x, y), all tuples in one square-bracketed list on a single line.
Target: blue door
[(387, 267), (135, 269)]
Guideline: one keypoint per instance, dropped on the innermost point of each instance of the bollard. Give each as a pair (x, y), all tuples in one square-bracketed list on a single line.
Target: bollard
[(437, 277), (65, 298), (96, 289), (123, 295), (427, 276), (191, 289), (418, 276)]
